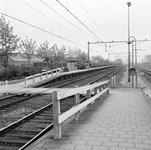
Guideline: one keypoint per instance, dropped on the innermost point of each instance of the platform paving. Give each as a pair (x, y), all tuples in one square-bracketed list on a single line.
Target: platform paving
[(119, 121)]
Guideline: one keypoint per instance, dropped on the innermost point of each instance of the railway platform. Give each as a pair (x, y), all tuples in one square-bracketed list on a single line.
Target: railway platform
[(119, 121), (20, 87), (25, 87), (30, 81)]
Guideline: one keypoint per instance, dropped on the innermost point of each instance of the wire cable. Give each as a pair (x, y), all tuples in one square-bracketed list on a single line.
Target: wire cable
[(42, 29), (65, 19), (118, 44), (92, 19), (145, 50), (78, 19), (51, 19)]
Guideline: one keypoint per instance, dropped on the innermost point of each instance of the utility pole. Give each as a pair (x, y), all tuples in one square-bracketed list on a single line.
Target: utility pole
[(88, 54), (128, 42)]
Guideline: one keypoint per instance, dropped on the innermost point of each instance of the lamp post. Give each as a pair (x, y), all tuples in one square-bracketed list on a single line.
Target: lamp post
[(133, 58), (128, 4)]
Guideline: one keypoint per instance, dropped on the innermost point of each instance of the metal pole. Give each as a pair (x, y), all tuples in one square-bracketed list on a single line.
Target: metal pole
[(132, 63), (135, 59), (129, 4), (88, 54), (109, 57), (132, 54), (136, 62)]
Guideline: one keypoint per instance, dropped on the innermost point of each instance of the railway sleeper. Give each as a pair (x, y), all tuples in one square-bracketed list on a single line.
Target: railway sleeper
[(41, 121), (37, 125), (36, 131), (16, 137), (27, 127), (46, 115), (22, 135), (8, 148), (34, 127), (43, 117), (12, 141)]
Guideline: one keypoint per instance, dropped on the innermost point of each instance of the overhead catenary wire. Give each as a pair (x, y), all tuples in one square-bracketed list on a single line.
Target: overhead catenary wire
[(65, 19), (78, 20), (145, 50), (92, 19), (42, 29), (51, 19), (117, 45)]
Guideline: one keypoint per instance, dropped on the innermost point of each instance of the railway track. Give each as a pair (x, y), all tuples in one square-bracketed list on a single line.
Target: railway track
[(26, 130), (102, 74), (10, 102), (145, 69), (23, 132)]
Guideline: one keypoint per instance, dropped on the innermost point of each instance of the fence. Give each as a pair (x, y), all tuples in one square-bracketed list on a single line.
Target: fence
[(98, 89), (41, 75)]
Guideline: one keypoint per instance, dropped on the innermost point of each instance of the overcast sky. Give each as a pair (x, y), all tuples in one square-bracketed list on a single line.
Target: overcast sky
[(106, 20)]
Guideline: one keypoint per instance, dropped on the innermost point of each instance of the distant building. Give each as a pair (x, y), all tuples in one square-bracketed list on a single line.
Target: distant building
[(17, 60), (72, 64)]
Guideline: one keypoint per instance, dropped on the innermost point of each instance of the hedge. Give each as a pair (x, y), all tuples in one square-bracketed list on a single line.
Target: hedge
[(18, 72)]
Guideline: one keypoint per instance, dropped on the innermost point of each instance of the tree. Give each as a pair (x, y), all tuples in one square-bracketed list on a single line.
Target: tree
[(148, 58), (72, 53), (61, 56), (81, 59), (98, 61), (28, 47), (55, 51), (44, 51), (119, 61), (78, 55), (8, 41)]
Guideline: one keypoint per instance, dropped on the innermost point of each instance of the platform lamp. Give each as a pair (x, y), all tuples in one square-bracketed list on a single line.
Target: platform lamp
[(128, 4), (135, 57)]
